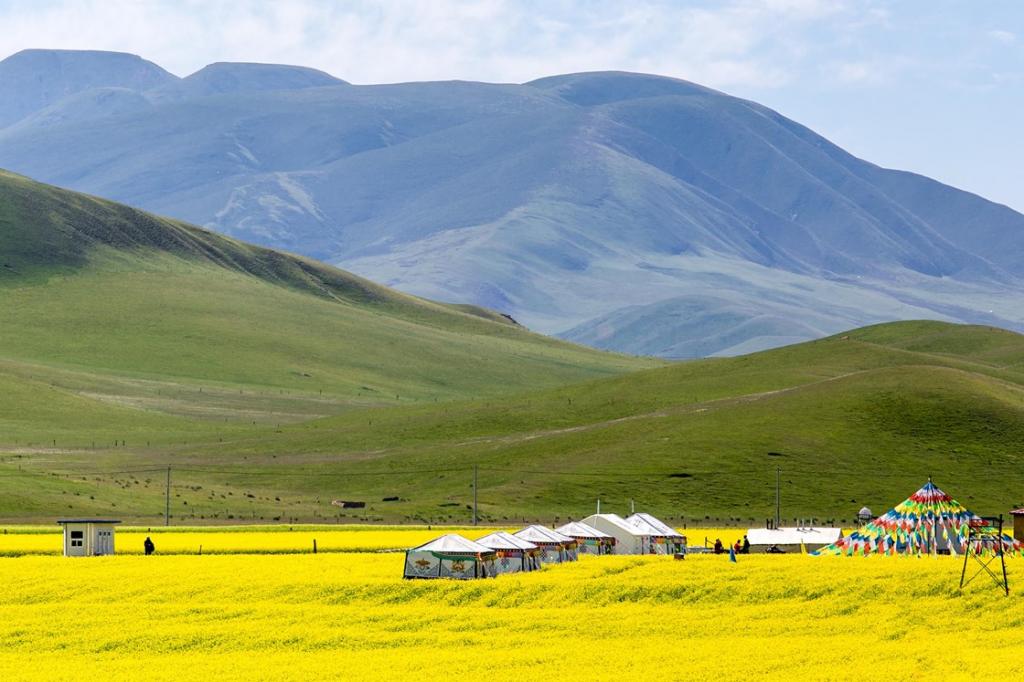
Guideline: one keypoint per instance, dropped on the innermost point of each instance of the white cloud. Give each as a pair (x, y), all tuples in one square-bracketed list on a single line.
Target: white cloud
[(742, 42), (854, 72), (1004, 37)]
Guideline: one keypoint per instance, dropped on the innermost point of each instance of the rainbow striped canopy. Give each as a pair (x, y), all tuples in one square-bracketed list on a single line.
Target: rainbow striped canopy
[(927, 522)]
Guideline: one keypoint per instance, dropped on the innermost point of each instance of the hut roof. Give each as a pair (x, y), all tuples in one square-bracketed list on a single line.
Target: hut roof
[(621, 523), (503, 540), (454, 544), (578, 529), (654, 525), (542, 535)]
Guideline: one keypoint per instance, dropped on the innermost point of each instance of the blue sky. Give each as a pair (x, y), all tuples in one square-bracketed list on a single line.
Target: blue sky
[(933, 86)]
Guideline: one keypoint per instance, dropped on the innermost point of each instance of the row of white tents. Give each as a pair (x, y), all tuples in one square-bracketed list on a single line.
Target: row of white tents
[(453, 556)]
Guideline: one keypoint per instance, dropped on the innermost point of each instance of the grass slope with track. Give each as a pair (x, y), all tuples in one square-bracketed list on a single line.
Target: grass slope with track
[(861, 418)]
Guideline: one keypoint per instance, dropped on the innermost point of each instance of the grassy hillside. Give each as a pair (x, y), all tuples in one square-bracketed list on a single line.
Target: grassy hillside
[(860, 418), (115, 323)]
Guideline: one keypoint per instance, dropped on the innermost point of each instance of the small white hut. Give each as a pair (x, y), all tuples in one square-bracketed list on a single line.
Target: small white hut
[(790, 540), (88, 537)]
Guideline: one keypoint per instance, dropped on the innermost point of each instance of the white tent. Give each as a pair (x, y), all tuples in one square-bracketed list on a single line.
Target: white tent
[(790, 539), (555, 547), (514, 554), (589, 539), (664, 538), (629, 539), (450, 556)]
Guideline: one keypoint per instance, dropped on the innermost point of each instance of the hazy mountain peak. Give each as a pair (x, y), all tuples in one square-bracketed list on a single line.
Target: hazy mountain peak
[(31, 80), (225, 77), (84, 60), (601, 87)]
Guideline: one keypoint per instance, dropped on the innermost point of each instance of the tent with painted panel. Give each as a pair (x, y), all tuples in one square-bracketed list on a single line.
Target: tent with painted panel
[(514, 555), (927, 522), (450, 556), (589, 540), (555, 547), (664, 538)]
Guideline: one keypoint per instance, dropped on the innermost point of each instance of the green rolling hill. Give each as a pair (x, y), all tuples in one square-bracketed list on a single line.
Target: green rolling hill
[(851, 420), (116, 324), (273, 385)]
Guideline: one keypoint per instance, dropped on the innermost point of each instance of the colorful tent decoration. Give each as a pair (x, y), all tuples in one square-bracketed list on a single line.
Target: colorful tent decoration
[(555, 547), (450, 556), (928, 522), (515, 555), (589, 539)]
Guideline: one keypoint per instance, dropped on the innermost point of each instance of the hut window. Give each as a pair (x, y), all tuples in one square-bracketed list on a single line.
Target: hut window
[(76, 538)]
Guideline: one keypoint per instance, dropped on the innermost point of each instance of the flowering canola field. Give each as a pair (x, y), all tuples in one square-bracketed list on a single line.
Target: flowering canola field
[(350, 616), (233, 541), (273, 539)]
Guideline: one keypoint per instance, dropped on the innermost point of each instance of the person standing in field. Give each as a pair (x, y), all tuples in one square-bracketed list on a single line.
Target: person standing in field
[(149, 546), (718, 546)]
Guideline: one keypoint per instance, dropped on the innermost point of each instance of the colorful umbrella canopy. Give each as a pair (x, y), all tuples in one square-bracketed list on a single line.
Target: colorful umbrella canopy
[(927, 522)]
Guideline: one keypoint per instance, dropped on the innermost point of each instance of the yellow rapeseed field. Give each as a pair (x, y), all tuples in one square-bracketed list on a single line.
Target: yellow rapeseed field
[(275, 540), (241, 542), (351, 616)]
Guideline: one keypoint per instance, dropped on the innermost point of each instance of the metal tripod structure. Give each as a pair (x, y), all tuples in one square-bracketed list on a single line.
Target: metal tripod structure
[(986, 533)]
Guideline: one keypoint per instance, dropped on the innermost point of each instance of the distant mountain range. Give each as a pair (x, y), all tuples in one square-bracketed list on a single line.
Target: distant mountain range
[(630, 212)]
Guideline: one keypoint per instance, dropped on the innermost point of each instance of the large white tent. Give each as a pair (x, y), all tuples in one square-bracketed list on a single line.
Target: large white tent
[(629, 539), (589, 539), (450, 556), (515, 555), (790, 539), (555, 547), (664, 538)]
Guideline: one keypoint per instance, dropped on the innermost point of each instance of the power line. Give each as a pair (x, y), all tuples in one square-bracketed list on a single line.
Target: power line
[(599, 474), (611, 475), (95, 472), (328, 474)]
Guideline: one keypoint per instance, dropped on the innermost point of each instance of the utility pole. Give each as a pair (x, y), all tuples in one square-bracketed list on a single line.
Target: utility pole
[(167, 499), (475, 517), (778, 504)]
